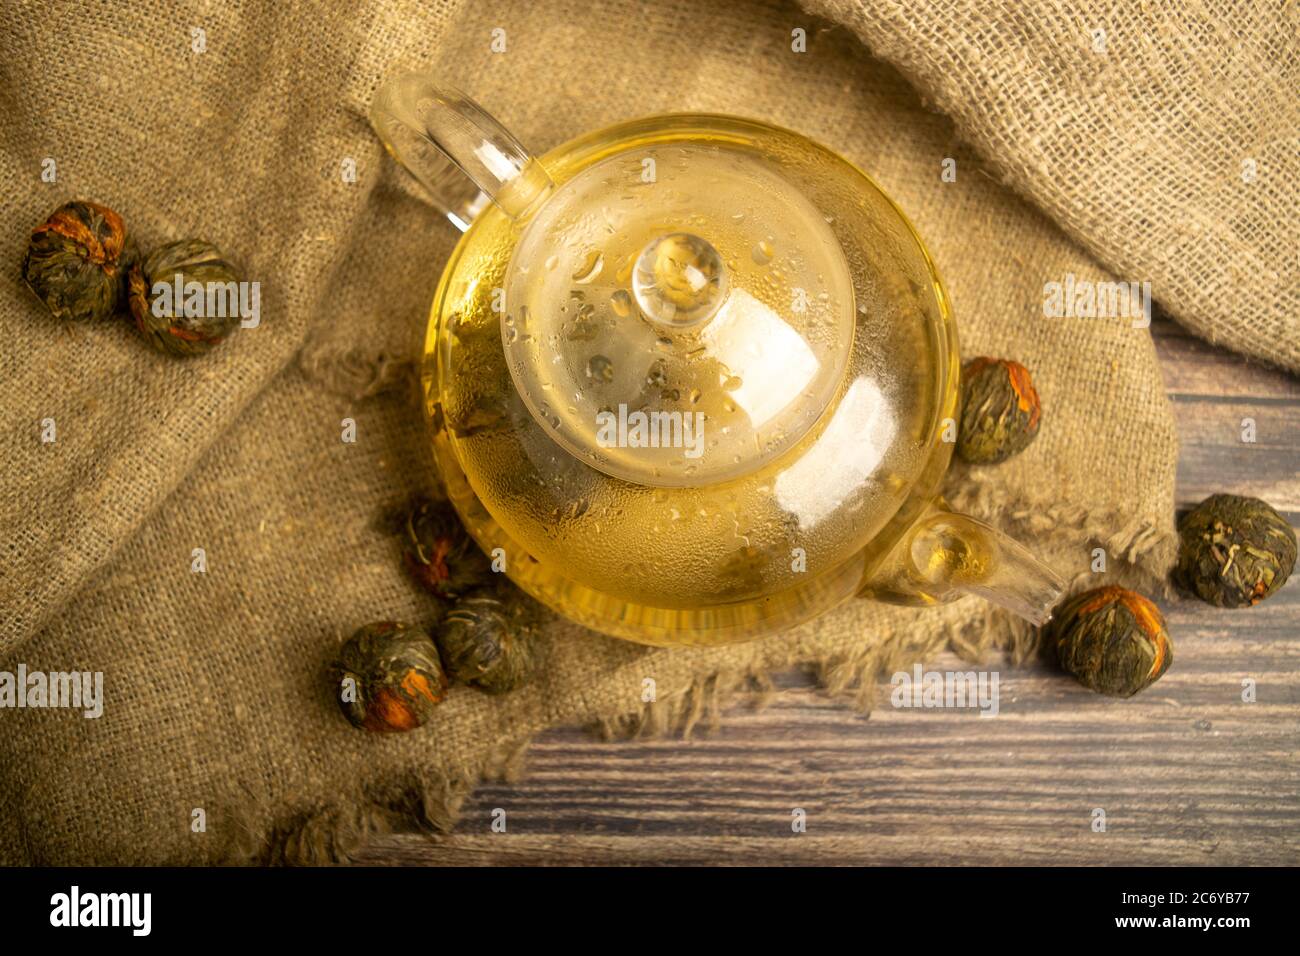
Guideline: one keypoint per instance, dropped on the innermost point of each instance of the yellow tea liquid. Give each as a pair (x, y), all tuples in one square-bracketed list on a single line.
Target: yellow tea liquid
[(775, 541)]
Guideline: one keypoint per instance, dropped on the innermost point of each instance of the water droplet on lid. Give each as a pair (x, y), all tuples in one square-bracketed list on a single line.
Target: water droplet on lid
[(592, 263), (762, 253), (583, 328), (600, 369), (621, 303)]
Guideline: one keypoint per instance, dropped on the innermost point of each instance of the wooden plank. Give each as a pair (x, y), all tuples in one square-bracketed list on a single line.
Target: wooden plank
[(1192, 366), (1214, 394), (1213, 458), (1187, 773)]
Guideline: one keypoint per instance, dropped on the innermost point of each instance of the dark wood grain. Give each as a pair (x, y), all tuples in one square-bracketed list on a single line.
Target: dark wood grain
[(1187, 773), (1212, 392)]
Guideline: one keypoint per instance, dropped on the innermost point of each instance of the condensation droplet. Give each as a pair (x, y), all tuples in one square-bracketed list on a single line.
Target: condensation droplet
[(600, 369), (590, 268), (762, 253), (621, 303)]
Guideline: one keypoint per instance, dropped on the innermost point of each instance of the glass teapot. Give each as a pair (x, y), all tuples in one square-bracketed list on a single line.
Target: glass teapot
[(690, 377)]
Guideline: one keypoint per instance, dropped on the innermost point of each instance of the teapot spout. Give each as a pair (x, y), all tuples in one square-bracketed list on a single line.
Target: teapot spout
[(944, 555), (456, 149)]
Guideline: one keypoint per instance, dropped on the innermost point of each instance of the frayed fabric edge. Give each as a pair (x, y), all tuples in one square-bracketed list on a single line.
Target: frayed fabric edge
[(424, 801), (357, 374), (429, 802)]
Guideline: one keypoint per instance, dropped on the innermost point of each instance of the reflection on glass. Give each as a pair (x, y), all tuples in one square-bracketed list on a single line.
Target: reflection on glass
[(772, 360), (847, 452)]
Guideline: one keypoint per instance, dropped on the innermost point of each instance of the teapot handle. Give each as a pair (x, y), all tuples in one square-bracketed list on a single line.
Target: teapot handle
[(454, 147), (944, 555)]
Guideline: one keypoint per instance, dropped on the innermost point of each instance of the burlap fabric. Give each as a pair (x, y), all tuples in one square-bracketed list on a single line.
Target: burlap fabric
[(1163, 136), (216, 697)]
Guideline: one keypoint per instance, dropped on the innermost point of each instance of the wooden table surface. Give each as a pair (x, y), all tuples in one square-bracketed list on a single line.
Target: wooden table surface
[(1187, 773)]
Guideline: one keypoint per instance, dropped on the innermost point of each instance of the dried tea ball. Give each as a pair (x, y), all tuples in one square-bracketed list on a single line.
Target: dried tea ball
[(487, 640), (180, 320), (77, 260), (1000, 410), (440, 554), (1112, 640), (389, 677), (1234, 551)]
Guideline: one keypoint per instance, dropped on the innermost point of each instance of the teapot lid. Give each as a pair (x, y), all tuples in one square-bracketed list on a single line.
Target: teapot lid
[(678, 314)]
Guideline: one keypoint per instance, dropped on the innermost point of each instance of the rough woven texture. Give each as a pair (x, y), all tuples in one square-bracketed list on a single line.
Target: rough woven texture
[(215, 683), (1162, 135)]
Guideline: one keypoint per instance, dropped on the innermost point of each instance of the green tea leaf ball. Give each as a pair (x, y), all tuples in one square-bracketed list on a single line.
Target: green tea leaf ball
[(487, 639), (1234, 551), (1000, 411), (1112, 640), (439, 552), (200, 316), (389, 677), (77, 260)]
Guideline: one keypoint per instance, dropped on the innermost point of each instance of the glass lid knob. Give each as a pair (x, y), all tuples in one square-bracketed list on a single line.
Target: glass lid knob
[(679, 281)]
